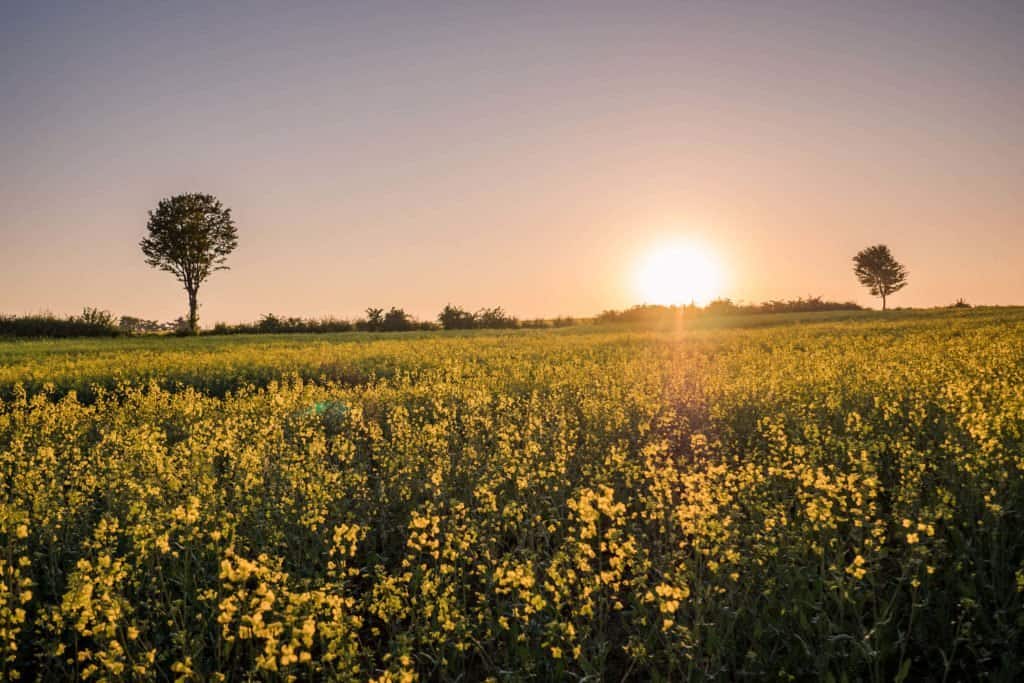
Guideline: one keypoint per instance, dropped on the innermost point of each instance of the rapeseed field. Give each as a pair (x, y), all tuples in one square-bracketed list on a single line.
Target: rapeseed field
[(812, 501)]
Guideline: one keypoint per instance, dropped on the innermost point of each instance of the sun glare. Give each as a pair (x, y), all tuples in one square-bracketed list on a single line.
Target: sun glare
[(679, 273)]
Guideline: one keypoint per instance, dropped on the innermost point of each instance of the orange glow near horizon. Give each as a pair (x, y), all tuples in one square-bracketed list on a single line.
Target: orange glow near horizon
[(679, 272)]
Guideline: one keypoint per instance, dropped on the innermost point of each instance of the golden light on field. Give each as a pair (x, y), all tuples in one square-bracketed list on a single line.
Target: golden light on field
[(679, 273)]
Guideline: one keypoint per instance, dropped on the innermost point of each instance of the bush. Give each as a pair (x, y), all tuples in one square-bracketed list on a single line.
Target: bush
[(648, 314), (455, 318), (397, 320), (132, 325), (92, 323), (273, 324), (494, 318), (645, 314), (95, 316), (801, 305)]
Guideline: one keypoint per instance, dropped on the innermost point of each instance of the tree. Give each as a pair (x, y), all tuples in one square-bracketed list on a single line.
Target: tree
[(494, 318), (877, 270), (455, 318), (97, 317), (374, 319), (396, 320), (129, 324), (190, 236)]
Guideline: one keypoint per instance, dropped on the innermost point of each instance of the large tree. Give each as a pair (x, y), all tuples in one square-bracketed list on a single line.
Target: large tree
[(190, 236), (877, 270)]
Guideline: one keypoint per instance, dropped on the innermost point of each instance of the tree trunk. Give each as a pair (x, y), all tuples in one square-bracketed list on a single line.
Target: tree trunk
[(883, 302), (193, 316)]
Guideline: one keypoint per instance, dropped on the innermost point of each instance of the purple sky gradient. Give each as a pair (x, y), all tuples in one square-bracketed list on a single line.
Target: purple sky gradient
[(517, 154)]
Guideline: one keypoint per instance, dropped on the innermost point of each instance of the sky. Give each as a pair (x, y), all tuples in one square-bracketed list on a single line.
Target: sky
[(521, 154)]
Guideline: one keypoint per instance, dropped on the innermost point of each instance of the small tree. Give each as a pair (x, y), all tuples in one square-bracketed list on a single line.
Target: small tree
[(455, 318), (374, 319), (190, 236), (396, 320), (129, 324), (877, 270), (97, 317), (494, 318), (724, 306)]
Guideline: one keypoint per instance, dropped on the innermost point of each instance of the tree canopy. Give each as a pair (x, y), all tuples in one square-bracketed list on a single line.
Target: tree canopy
[(877, 270)]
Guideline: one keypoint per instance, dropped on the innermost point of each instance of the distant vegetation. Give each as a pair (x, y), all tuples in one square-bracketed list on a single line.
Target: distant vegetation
[(98, 323), (94, 322), (132, 325), (376, 320), (649, 314), (393, 320), (91, 323), (456, 318), (280, 324)]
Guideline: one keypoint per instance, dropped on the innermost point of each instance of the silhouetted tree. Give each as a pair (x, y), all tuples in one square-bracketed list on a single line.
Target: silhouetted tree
[(877, 270), (722, 307), (130, 324), (190, 236), (374, 319), (455, 318), (494, 318), (397, 320), (269, 322), (98, 317)]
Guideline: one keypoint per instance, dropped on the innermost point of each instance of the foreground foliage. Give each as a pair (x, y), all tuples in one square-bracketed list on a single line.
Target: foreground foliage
[(836, 501)]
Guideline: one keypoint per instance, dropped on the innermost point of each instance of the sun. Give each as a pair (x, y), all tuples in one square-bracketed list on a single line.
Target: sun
[(679, 273)]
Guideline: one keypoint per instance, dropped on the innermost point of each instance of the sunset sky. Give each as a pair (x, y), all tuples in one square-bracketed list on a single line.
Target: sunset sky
[(528, 155)]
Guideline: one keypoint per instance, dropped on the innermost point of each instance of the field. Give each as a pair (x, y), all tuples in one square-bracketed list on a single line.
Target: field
[(832, 497)]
